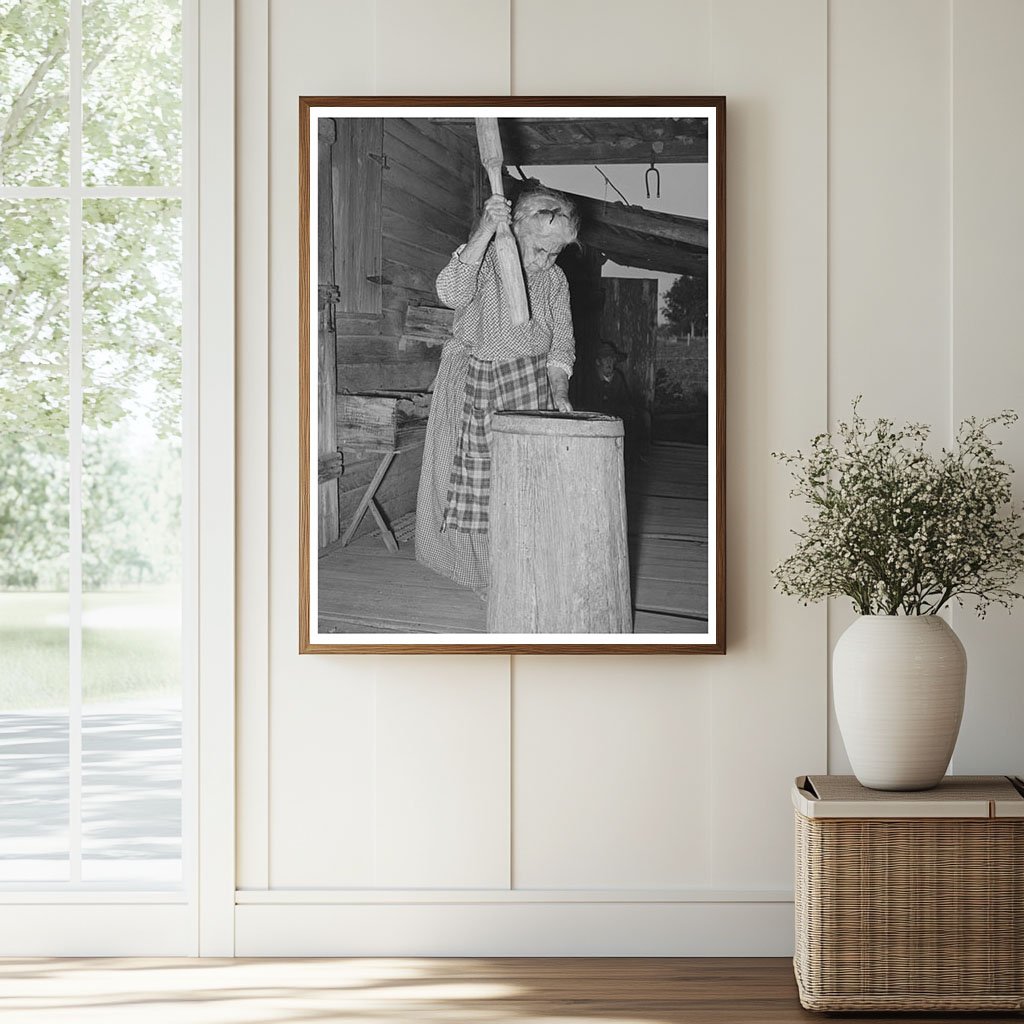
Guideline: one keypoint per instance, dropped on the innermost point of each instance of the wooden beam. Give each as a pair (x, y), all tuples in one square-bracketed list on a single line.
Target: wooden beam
[(660, 227), (629, 252), (597, 140), (674, 152), (637, 237)]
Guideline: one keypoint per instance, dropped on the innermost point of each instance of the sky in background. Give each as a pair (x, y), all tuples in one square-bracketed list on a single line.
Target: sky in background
[(684, 191)]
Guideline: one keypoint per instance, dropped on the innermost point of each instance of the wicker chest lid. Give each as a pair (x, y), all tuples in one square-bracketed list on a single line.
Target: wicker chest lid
[(957, 796)]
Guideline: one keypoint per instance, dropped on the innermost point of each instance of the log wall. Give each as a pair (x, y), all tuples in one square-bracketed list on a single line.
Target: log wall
[(429, 194), (428, 202)]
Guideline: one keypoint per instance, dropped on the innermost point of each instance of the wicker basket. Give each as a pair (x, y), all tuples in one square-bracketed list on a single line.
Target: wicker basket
[(910, 901)]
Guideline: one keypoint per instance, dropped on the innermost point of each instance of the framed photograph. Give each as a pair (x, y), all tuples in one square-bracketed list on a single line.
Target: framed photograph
[(512, 375)]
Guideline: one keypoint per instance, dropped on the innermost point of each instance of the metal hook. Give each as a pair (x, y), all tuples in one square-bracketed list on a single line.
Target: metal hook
[(657, 178)]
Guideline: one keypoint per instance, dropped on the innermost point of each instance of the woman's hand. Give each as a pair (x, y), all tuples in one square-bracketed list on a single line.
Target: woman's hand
[(497, 211), (559, 382)]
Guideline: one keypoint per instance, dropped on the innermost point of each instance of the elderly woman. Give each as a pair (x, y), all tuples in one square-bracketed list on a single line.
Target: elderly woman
[(489, 364)]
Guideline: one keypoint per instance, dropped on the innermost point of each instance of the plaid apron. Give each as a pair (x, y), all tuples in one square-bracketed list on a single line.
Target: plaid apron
[(519, 384)]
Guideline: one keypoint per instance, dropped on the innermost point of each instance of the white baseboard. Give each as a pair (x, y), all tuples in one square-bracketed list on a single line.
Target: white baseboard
[(99, 928), (513, 928)]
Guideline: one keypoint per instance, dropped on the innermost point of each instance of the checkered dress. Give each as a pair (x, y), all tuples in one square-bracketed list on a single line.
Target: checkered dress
[(519, 384), (489, 363)]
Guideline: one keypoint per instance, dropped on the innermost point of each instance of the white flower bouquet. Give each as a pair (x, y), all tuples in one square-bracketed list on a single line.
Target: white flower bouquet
[(900, 530)]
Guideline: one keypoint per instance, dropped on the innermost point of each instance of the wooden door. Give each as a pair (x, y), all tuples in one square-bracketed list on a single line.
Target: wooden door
[(349, 189), (356, 184), (582, 270), (327, 293), (629, 321)]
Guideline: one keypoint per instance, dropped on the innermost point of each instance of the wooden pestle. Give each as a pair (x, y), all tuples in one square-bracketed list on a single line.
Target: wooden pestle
[(510, 269)]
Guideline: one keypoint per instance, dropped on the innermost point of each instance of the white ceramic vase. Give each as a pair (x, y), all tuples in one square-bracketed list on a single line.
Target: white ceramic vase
[(898, 684)]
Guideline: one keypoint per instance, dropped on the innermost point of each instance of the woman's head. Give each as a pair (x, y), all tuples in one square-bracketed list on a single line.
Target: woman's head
[(544, 223)]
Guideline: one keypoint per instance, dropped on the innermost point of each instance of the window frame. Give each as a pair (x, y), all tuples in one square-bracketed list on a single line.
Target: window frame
[(75, 918)]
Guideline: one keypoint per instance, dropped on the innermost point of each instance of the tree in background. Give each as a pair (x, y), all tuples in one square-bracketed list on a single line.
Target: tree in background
[(131, 92), (131, 359), (686, 306)]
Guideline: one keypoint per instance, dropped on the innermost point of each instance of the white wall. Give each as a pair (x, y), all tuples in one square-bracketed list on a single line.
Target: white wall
[(625, 805)]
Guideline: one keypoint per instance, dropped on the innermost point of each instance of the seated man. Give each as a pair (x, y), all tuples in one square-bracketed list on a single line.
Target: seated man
[(609, 392)]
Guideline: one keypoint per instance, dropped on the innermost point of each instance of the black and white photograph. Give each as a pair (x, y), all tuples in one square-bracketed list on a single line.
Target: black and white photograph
[(512, 375)]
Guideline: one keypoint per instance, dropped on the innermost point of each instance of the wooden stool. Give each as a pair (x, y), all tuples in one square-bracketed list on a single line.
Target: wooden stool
[(368, 501), (379, 424)]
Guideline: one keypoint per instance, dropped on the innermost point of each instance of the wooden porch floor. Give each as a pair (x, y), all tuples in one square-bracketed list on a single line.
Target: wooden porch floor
[(364, 589)]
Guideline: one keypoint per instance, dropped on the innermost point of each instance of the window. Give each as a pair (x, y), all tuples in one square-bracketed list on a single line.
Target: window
[(95, 455)]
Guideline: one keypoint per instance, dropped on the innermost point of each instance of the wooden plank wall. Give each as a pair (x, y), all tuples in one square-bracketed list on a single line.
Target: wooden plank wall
[(429, 197)]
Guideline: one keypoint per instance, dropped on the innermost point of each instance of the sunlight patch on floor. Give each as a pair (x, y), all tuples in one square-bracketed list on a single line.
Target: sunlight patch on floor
[(279, 991)]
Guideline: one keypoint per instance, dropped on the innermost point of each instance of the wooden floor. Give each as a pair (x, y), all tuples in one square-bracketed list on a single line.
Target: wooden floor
[(364, 589), (667, 515), (414, 991)]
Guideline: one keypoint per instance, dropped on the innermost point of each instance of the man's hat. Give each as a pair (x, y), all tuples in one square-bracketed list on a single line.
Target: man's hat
[(606, 350)]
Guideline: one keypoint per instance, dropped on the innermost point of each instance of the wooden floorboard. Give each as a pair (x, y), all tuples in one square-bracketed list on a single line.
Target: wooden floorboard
[(667, 514), (657, 622), (668, 558), (384, 990), (669, 479), (365, 589), (667, 489), (669, 518), (669, 576), (672, 597)]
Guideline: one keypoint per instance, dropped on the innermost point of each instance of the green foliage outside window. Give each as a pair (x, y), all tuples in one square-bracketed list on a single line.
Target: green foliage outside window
[(131, 308)]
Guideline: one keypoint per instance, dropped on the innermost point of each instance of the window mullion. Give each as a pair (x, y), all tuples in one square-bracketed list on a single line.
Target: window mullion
[(75, 304)]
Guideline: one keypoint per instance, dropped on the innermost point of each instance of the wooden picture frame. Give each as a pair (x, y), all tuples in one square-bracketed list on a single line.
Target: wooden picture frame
[(388, 188)]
